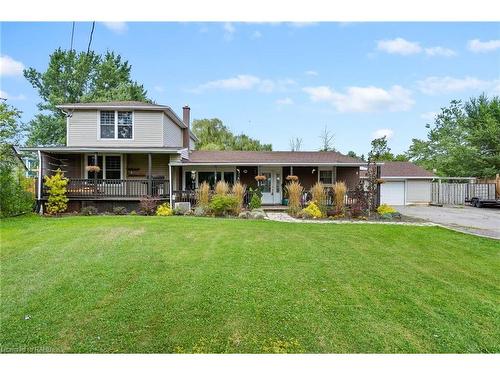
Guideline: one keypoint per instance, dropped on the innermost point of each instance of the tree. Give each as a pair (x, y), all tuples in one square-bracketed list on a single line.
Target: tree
[(14, 197), (10, 128), (214, 135), (73, 77), (352, 154), (380, 150), (295, 144), (463, 141), (327, 140)]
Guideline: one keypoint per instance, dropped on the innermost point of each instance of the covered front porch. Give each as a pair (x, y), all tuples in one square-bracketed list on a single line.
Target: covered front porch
[(108, 174), (273, 192)]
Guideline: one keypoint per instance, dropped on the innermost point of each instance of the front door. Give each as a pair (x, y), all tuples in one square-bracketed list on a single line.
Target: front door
[(271, 187)]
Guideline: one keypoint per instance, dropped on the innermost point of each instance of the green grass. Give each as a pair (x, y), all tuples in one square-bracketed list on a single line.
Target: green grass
[(183, 284)]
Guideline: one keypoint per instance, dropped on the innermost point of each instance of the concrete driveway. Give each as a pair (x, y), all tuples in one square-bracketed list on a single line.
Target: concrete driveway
[(479, 221)]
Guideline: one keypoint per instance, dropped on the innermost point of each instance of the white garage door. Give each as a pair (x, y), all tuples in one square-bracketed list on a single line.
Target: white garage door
[(393, 193)]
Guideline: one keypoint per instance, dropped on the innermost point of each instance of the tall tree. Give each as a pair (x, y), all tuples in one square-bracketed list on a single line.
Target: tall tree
[(380, 150), (463, 141), (73, 77), (327, 139), (214, 135)]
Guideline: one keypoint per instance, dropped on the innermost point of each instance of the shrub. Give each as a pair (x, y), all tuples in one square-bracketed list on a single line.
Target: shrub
[(223, 204), (89, 211), (14, 195), (147, 205), (221, 188), (294, 190), (339, 190), (203, 195), (181, 208), (385, 209), (318, 193), (199, 211), (57, 201), (164, 210), (312, 211), (238, 190), (255, 202), (119, 210)]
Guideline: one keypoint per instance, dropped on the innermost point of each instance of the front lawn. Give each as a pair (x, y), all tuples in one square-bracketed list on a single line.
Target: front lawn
[(184, 284)]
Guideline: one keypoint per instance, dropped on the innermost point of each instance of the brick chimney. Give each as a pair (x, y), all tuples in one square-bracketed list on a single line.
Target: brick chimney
[(186, 112)]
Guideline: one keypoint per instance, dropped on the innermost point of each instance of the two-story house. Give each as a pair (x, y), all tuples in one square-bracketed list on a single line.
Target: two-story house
[(118, 152)]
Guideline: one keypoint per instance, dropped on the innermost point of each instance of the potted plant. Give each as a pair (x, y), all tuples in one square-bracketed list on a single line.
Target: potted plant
[(292, 178), (93, 168)]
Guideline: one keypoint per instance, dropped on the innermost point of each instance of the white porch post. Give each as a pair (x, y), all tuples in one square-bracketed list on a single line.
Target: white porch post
[(170, 184), (39, 192)]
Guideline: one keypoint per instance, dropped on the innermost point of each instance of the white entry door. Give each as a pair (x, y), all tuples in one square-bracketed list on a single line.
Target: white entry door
[(271, 187)]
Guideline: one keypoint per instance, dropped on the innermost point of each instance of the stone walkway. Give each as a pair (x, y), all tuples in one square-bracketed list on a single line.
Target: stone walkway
[(284, 217)]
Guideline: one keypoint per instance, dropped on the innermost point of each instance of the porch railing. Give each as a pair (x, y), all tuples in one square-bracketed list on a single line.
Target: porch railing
[(115, 188)]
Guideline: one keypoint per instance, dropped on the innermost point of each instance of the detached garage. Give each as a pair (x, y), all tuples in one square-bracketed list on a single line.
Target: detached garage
[(405, 183)]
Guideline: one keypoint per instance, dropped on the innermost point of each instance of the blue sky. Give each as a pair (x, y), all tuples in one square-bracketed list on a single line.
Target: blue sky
[(278, 81)]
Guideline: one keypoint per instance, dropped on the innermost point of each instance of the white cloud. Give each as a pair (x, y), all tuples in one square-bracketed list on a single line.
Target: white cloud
[(284, 101), (10, 67), (312, 73), (229, 30), (404, 47), (475, 45), (363, 99), (256, 35), (399, 46), (116, 27), (5, 95), (245, 82), (440, 51), (442, 85), (379, 133), (428, 116), (159, 88)]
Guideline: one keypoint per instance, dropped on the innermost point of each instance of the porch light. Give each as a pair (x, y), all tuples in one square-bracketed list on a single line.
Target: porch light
[(193, 175)]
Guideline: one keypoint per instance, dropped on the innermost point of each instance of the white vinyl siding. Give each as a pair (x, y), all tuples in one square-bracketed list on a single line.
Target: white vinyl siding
[(418, 191), (172, 133), (84, 129)]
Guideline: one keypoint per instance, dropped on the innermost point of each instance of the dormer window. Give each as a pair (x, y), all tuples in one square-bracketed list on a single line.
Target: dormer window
[(116, 125)]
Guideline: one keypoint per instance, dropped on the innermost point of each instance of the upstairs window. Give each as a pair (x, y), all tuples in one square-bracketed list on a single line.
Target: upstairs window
[(116, 125)]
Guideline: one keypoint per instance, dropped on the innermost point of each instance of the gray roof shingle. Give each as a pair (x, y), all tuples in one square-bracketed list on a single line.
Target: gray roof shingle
[(278, 157)]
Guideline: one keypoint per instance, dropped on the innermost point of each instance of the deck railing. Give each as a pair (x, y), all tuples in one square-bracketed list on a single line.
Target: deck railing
[(115, 188)]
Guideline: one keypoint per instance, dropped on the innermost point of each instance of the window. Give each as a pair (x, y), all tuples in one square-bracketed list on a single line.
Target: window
[(229, 177), (125, 125), (208, 177), (111, 167), (116, 124), (326, 177), (91, 161), (107, 124)]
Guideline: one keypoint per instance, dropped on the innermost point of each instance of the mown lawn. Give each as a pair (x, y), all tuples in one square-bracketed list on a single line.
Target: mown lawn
[(183, 284)]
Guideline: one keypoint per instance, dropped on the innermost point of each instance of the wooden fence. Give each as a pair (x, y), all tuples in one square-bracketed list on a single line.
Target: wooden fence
[(460, 193)]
